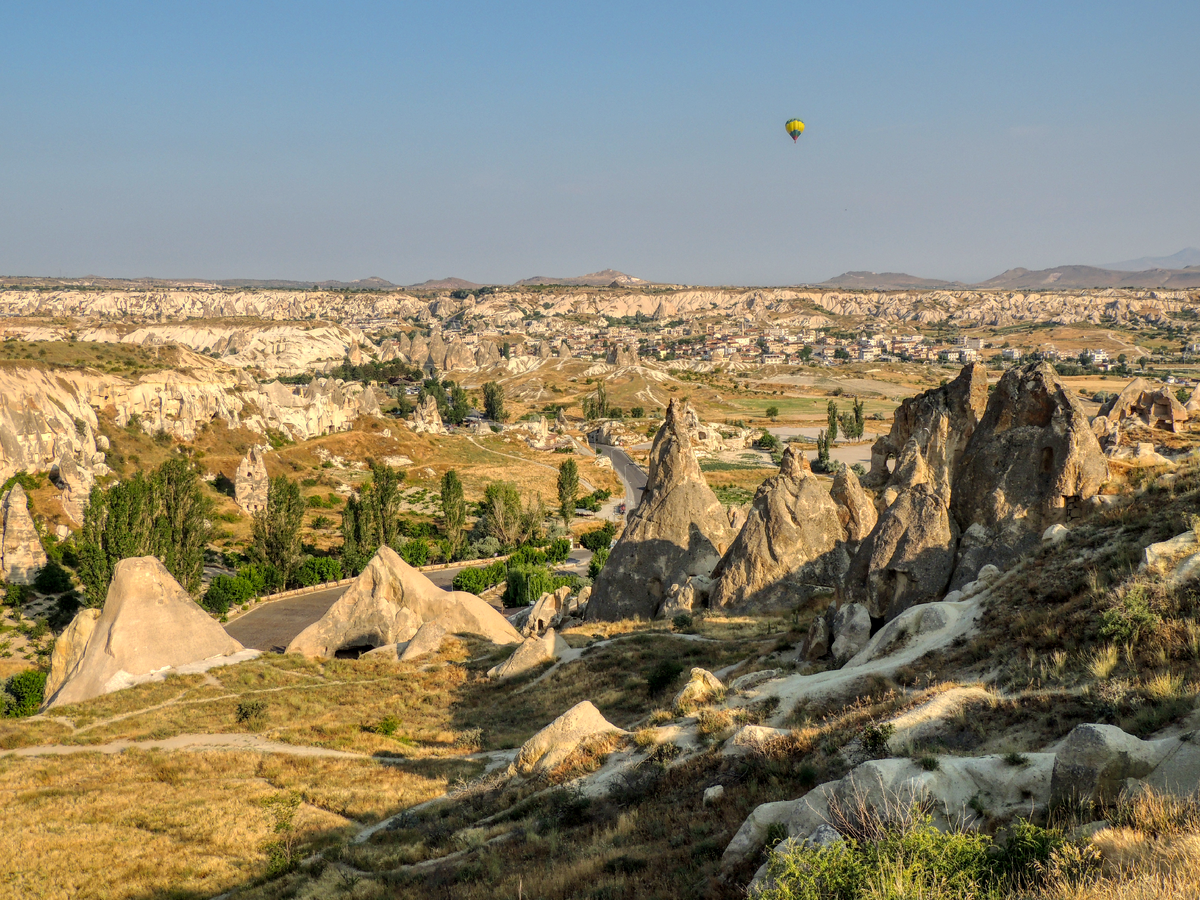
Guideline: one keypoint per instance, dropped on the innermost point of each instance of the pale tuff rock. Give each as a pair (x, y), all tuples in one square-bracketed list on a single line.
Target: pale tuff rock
[(682, 599), (487, 354), (251, 482), (609, 434), (549, 611), (564, 350), (560, 421), (1095, 760), (1029, 464), (750, 739), (558, 740), (941, 421), (428, 639), (753, 679), (21, 553), (622, 355), (532, 653), (75, 484), (68, 649), (1157, 408), (816, 643), (790, 547), (426, 419), (851, 630), (702, 687), (909, 556), (713, 795), (148, 624), (388, 603), (45, 415), (678, 530), (856, 512)]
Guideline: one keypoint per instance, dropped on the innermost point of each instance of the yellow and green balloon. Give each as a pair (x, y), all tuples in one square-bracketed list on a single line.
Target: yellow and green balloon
[(795, 128)]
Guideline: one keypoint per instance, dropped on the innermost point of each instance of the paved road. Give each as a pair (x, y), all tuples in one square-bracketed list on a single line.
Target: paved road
[(630, 474), (272, 626)]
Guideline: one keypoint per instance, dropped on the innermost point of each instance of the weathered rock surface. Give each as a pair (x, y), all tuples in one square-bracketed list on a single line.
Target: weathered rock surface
[(683, 599), (856, 512), (68, 649), (702, 687), (149, 623), (549, 611), (1095, 760), (530, 654), (622, 355), (250, 482), (908, 558), (75, 482), (388, 603), (426, 419), (21, 553), (678, 530), (790, 548), (560, 738), (940, 420), (1030, 463), (1154, 408), (851, 630)]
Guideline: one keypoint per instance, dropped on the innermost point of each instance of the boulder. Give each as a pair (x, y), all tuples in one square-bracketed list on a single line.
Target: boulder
[(1030, 463), (909, 556), (250, 483), (388, 603), (703, 687), (816, 643), (487, 354), (426, 419), (529, 655), (1154, 408), (560, 738), (427, 640), (856, 512), (790, 548), (940, 420), (753, 679), (851, 630), (21, 553), (459, 357), (1095, 760), (678, 530), (682, 599), (148, 624), (751, 739), (68, 649), (76, 486), (548, 612), (713, 795), (1054, 534)]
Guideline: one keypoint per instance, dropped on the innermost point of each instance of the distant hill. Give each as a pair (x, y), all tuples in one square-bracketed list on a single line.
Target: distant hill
[(445, 284), (1092, 277), (888, 281), (603, 278), (363, 284), (1181, 260)]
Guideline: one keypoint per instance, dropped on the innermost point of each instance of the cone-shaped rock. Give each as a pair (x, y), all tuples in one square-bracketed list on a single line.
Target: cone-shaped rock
[(148, 623), (388, 603), (790, 547), (856, 512), (678, 530), (21, 553), (1030, 462)]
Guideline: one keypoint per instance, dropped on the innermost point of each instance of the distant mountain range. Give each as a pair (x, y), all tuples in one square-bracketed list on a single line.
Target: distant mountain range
[(603, 278), (1181, 260)]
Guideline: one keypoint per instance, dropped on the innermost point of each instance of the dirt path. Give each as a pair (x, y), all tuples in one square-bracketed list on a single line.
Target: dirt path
[(187, 742)]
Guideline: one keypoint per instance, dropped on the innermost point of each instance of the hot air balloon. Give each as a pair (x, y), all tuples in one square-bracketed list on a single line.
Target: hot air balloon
[(795, 128)]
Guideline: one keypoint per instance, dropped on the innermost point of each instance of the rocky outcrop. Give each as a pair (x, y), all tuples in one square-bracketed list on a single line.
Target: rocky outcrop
[(148, 624), (549, 611), (790, 548), (1094, 764), (703, 687), (558, 740), (250, 482), (388, 603), (1157, 408), (532, 653), (68, 649), (678, 530), (940, 420), (45, 414), (909, 556), (851, 630), (622, 355), (21, 553), (856, 512), (76, 483), (1030, 463), (426, 419)]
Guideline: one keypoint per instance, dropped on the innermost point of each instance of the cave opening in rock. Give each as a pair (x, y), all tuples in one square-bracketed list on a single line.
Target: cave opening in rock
[(354, 651)]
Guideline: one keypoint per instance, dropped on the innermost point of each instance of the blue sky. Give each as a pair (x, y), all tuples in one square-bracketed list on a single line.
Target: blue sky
[(499, 141)]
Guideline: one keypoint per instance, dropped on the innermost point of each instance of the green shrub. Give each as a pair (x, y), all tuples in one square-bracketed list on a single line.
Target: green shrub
[(526, 584), (1129, 618), (875, 736), (558, 551), (387, 726), (252, 714), (599, 538), (599, 558), (662, 675), (318, 570), (53, 579), (415, 552), (16, 594), (682, 622), (225, 592), (23, 693), (478, 579)]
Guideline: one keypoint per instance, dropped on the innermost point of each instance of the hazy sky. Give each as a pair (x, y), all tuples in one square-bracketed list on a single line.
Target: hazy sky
[(495, 141)]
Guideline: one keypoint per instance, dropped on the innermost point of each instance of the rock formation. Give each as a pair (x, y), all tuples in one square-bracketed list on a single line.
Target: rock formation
[(908, 557), (76, 486), (856, 512), (426, 419), (68, 649), (388, 603), (532, 653), (549, 611), (21, 553), (148, 624), (851, 629), (560, 738), (1157, 408), (622, 355), (678, 530), (790, 547), (251, 482), (940, 420), (1029, 464), (702, 687)]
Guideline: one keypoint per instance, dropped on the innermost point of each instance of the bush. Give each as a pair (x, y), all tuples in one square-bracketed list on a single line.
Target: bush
[(478, 579), (415, 552), (53, 579), (252, 714), (526, 584), (16, 594), (224, 592), (23, 693), (599, 538), (528, 556), (596, 563), (558, 551), (875, 736), (318, 570), (1129, 618), (64, 611), (662, 675)]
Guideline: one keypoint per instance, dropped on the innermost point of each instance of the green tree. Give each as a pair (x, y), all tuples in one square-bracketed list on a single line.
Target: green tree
[(772, 412), (493, 401), (568, 489), (277, 528), (454, 511), (508, 520), (359, 537), (596, 406), (384, 502), (831, 416), (182, 524)]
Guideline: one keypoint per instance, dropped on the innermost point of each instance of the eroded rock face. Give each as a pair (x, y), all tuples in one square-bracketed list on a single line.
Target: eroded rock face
[(1153, 407), (148, 623), (251, 482), (856, 512), (532, 653), (790, 547), (426, 419), (560, 738), (678, 530), (76, 485), (548, 612), (940, 420), (69, 647), (1030, 463), (388, 603), (702, 687), (622, 356), (909, 556), (851, 630), (21, 553), (1095, 760)]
